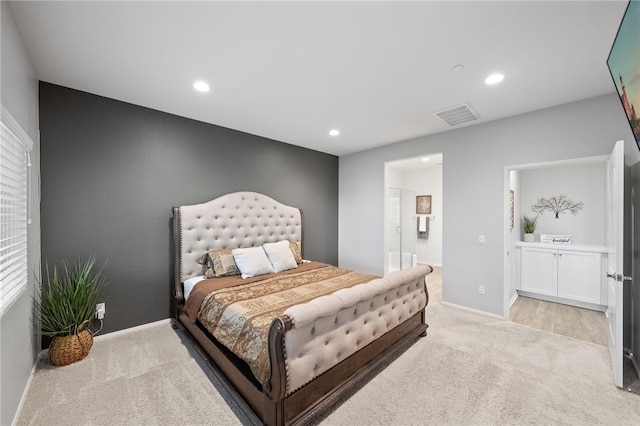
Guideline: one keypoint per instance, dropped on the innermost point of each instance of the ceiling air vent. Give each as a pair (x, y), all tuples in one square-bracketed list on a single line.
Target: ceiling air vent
[(457, 115)]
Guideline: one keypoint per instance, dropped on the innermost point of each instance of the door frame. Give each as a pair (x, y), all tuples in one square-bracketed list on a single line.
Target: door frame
[(509, 262)]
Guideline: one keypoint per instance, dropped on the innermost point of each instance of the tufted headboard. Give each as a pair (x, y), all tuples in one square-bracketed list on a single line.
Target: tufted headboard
[(239, 219)]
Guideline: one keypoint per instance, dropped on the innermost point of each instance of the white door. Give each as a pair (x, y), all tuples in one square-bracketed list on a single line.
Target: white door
[(615, 243)]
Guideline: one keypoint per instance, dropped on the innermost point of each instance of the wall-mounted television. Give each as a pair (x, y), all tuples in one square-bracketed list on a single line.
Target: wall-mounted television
[(624, 65)]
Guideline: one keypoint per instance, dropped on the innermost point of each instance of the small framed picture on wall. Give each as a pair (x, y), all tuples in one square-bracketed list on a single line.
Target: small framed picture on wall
[(423, 204)]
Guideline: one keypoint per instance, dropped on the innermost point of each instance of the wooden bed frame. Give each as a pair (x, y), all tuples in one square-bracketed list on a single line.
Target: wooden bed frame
[(271, 404)]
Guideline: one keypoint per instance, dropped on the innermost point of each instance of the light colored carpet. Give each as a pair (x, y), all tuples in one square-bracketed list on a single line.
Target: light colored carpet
[(469, 370), (146, 377)]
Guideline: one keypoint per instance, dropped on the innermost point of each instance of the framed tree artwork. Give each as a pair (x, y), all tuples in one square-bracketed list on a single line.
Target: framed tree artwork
[(423, 204)]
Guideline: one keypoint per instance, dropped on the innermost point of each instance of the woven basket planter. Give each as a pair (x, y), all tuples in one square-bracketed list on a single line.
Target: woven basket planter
[(65, 350)]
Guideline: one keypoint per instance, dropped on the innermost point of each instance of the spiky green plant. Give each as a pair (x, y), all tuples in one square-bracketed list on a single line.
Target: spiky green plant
[(68, 297), (529, 225)]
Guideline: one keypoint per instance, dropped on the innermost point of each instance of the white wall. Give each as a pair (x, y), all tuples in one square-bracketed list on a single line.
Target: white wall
[(473, 189), (19, 95), (429, 182), (580, 182), (395, 178)]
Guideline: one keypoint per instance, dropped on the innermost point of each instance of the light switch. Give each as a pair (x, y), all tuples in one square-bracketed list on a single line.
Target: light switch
[(481, 239)]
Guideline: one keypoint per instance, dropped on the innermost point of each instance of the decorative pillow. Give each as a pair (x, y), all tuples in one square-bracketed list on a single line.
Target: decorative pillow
[(252, 261), (219, 263), (295, 249), (280, 256)]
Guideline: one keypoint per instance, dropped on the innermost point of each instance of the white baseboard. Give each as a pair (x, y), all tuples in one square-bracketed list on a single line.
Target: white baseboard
[(43, 352), (26, 389), (475, 311), (579, 304), (513, 299), (131, 329)]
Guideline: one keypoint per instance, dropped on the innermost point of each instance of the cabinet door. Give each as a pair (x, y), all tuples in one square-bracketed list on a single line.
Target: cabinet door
[(538, 271), (579, 276)]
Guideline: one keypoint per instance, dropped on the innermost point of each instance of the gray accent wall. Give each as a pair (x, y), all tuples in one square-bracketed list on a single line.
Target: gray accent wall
[(112, 171), (474, 159), (19, 95)]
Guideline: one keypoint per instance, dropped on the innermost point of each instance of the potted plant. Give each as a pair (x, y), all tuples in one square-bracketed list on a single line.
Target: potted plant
[(65, 306), (529, 227)]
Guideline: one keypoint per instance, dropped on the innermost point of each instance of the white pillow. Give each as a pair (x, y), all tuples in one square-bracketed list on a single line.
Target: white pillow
[(252, 261), (280, 256)]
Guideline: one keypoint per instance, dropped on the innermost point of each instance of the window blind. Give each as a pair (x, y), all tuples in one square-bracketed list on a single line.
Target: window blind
[(14, 210)]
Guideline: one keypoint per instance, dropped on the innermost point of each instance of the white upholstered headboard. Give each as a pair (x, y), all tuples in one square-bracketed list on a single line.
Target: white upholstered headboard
[(239, 219)]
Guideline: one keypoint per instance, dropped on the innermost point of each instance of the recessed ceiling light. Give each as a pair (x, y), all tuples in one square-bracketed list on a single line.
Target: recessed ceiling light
[(494, 78), (425, 159), (334, 132), (201, 86)]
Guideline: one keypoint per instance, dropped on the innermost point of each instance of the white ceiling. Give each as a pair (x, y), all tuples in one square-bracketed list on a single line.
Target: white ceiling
[(291, 71), (417, 163)]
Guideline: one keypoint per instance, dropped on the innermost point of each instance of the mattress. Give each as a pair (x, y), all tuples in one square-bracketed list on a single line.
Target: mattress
[(240, 316), (190, 283)]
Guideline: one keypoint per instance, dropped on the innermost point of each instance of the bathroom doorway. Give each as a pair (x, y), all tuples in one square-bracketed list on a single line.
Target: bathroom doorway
[(413, 212)]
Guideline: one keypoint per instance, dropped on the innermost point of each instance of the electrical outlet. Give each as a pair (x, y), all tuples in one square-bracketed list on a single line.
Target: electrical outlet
[(481, 239), (100, 310), (481, 289)]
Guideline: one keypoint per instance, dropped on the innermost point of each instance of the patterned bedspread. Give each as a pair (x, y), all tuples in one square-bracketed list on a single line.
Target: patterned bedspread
[(239, 317)]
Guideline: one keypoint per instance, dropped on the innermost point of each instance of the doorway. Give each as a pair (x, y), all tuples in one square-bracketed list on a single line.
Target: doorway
[(582, 181), (413, 212), (554, 272), (544, 274)]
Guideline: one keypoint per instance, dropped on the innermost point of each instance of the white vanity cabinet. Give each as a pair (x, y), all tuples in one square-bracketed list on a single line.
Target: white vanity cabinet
[(580, 276), (571, 274), (538, 271)]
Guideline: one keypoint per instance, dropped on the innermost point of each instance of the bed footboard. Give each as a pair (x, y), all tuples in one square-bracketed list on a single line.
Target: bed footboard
[(316, 336)]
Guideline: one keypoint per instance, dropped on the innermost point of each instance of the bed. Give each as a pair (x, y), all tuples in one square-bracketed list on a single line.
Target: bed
[(289, 344)]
